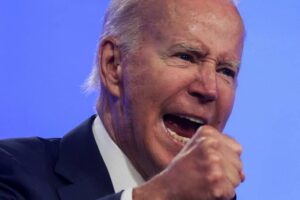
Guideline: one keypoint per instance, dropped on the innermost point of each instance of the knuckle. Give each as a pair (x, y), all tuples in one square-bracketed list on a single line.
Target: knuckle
[(222, 193), (218, 193), (229, 193), (235, 181), (214, 159), (234, 145), (212, 143), (206, 130), (243, 176), (239, 149), (215, 176)]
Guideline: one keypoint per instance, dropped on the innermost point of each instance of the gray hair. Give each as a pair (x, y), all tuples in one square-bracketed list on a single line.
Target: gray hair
[(122, 21)]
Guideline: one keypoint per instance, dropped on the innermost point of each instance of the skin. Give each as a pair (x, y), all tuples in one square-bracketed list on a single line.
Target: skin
[(187, 63)]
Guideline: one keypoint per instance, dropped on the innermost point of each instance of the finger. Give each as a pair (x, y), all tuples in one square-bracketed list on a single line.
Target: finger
[(222, 189), (233, 144), (210, 138), (207, 130), (232, 157), (230, 150), (219, 164), (213, 144), (232, 154), (232, 174)]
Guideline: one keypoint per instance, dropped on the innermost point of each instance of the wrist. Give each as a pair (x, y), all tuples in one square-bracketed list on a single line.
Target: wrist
[(154, 189)]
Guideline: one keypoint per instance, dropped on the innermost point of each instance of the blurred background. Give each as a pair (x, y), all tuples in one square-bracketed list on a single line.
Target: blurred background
[(47, 50)]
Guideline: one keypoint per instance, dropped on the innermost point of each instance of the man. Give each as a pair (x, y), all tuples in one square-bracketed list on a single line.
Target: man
[(168, 73)]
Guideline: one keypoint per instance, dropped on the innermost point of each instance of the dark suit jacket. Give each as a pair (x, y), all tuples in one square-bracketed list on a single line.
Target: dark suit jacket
[(70, 168)]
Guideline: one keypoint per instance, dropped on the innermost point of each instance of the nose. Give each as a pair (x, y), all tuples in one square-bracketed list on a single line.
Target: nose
[(204, 86)]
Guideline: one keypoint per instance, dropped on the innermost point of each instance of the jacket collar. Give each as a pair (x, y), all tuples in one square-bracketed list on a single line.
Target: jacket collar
[(82, 166)]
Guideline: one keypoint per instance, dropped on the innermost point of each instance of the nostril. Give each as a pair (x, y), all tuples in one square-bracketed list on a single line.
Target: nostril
[(204, 92), (204, 86), (204, 97)]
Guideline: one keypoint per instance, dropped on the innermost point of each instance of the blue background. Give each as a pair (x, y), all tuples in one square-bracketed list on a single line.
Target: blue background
[(47, 50)]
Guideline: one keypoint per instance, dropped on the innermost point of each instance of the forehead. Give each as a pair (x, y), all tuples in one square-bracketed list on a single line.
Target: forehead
[(206, 22), (194, 9)]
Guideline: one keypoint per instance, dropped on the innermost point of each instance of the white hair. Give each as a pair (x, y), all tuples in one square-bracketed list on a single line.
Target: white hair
[(236, 2), (123, 21)]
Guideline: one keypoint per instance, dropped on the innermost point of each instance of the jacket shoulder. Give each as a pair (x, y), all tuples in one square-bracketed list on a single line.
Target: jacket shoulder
[(30, 150), (25, 164)]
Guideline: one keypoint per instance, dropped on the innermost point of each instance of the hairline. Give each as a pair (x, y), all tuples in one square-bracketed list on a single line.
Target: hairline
[(116, 21)]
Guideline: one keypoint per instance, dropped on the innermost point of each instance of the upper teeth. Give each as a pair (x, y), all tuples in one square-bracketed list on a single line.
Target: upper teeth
[(199, 121)]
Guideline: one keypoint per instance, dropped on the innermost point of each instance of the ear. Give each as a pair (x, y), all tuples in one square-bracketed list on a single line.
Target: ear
[(110, 67)]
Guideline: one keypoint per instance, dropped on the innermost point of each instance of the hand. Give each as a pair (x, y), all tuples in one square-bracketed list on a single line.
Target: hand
[(207, 168)]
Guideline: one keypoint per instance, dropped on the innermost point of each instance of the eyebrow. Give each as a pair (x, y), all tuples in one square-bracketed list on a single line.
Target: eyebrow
[(233, 63), (198, 52), (203, 52)]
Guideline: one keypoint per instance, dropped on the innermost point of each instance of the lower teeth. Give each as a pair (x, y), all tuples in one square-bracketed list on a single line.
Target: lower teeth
[(177, 137)]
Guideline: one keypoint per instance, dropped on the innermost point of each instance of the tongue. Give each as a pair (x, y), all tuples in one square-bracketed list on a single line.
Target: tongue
[(183, 127)]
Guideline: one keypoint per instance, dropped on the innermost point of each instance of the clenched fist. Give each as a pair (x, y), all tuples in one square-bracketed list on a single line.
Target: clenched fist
[(207, 168)]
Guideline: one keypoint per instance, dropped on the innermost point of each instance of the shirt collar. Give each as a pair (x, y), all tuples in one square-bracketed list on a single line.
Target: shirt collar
[(122, 173)]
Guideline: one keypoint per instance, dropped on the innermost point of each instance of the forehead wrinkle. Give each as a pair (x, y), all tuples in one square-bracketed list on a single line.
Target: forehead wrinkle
[(207, 14), (163, 17), (198, 15)]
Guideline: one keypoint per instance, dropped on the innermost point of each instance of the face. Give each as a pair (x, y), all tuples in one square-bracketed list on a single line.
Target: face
[(183, 76)]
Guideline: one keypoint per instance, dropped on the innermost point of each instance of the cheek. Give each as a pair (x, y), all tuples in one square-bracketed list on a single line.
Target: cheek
[(226, 91), (225, 102), (154, 83)]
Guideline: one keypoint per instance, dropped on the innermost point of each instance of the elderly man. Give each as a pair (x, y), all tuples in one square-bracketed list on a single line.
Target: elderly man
[(167, 71)]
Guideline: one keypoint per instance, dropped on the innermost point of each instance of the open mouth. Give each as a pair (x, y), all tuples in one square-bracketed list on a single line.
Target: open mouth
[(180, 127)]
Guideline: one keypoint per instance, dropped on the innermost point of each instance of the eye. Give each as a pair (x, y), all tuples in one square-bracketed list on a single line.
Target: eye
[(185, 57), (227, 72)]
